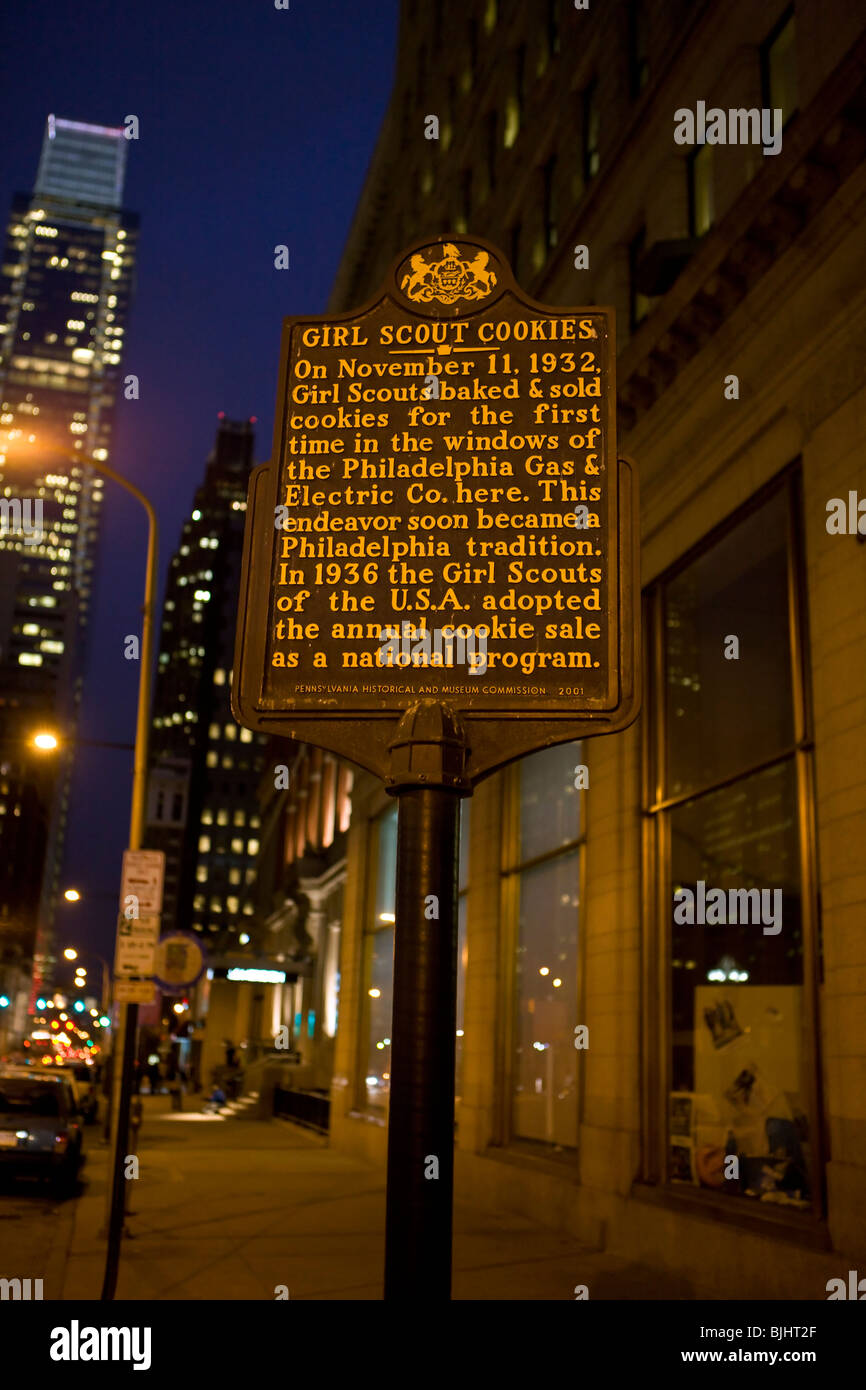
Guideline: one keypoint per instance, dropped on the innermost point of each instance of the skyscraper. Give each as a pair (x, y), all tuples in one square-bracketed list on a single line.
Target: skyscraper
[(65, 286), (203, 809)]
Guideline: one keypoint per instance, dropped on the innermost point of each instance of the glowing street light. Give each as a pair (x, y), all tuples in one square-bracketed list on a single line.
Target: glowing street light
[(70, 953), (46, 741), (72, 895)]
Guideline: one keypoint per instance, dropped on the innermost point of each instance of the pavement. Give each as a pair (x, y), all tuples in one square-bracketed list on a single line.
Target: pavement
[(228, 1208)]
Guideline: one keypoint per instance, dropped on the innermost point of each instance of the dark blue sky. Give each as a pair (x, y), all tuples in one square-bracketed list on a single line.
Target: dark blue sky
[(256, 129)]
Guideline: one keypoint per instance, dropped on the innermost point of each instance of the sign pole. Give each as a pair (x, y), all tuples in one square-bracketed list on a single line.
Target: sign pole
[(123, 1044), (427, 762)]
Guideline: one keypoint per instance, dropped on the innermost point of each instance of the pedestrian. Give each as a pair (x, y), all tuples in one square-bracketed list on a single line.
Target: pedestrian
[(216, 1099)]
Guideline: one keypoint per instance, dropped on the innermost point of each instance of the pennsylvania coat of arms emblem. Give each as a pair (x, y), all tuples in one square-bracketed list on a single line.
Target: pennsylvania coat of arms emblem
[(448, 279)]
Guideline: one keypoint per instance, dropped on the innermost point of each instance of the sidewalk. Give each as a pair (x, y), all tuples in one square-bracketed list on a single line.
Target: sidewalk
[(230, 1209)]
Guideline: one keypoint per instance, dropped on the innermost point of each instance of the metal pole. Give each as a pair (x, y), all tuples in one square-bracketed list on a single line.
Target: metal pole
[(421, 1117), (123, 1045), (426, 777)]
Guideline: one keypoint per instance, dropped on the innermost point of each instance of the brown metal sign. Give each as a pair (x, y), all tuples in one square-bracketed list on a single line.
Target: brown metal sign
[(445, 518)]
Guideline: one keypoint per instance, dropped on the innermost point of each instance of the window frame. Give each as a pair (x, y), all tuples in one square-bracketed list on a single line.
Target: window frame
[(706, 152), (789, 16), (657, 894)]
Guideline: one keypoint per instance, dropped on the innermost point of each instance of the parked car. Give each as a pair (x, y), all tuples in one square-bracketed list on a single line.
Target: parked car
[(40, 1128), (83, 1080)]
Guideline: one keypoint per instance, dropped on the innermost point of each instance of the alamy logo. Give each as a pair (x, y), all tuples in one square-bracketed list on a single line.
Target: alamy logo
[(74, 1343), (716, 908), (25, 1289), (856, 1288), (444, 646), (738, 126), (25, 520)]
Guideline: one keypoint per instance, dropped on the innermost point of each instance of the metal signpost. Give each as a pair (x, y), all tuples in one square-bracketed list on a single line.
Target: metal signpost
[(141, 888), (440, 576)]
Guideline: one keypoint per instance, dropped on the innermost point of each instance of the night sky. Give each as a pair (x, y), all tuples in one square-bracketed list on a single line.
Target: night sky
[(257, 126)]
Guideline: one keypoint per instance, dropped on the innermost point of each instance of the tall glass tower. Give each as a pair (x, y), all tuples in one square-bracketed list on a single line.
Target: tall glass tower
[(203, 808), (65, 286)]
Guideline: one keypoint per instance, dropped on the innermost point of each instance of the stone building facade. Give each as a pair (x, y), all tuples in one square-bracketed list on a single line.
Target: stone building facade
[(736, 276)]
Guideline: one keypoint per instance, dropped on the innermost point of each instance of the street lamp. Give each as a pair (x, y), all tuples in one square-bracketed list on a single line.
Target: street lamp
[(72, 954), (48, 742), (124, 1048), (72, 895)]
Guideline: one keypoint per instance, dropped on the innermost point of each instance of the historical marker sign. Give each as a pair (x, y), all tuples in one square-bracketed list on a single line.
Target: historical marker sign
[(439, 576), (445, 517)]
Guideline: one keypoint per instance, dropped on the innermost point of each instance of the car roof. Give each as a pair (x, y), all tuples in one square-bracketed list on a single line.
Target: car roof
[(18, 1073)]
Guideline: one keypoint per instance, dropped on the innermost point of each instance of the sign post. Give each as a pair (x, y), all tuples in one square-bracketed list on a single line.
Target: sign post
[(440, 576)]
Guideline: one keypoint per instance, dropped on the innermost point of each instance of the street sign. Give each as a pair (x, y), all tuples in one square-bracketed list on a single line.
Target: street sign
[(135, 945), (134, 991), (444, 518), (142, 877), (178, 962)]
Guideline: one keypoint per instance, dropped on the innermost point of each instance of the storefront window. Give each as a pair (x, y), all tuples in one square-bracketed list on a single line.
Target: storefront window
[(380, 997), (462, 944), (726, 827), (544, 886), (381, 968)]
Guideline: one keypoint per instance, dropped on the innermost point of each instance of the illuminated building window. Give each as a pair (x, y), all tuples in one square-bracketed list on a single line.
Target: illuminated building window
[(252, 846), (232, 904), (213, 731), (701, 190), (222, 816), (542, 860), (204, 843), (201, 874), (515, 101), (591, 131), (726, 800), (240, 818), (379, 961), (246, 735), (212, 759), (234, 875), (237, 846), (779, 68), (207, 817), (231, 731)]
